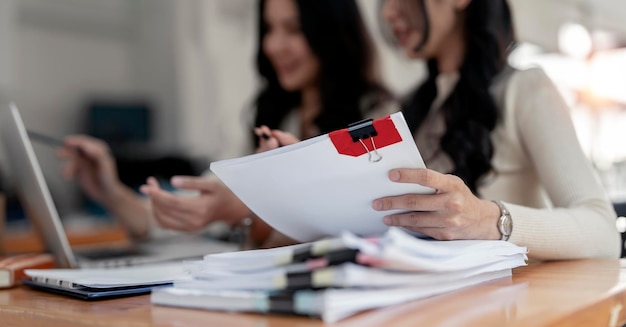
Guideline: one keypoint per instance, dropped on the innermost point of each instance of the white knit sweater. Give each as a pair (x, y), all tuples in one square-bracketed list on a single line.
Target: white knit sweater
[(559, 208)]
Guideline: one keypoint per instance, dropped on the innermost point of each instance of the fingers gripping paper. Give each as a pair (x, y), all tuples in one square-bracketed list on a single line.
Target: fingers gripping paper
[(325, 185)]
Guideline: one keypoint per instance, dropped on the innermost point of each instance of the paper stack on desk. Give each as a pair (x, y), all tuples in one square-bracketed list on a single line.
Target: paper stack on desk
[(339, 277)]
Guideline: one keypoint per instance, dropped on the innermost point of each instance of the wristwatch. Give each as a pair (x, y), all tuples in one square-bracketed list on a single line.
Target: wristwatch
[(505, 222)]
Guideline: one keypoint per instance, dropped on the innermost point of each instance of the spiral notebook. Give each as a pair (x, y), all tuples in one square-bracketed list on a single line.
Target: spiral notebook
[(324, 185)]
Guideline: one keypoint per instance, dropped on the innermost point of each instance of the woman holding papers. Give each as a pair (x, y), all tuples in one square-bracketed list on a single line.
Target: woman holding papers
[(489, 132), (499, 144), (317, 65)]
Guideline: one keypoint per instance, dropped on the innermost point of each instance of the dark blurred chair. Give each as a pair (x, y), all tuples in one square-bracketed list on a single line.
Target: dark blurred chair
[(126, 126), (620, 209)]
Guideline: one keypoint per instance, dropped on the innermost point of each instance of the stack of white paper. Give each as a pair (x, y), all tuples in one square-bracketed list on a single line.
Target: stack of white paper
[(336, 278)]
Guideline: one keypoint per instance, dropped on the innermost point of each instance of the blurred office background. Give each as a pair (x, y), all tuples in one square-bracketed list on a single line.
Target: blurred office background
[(180, 76)]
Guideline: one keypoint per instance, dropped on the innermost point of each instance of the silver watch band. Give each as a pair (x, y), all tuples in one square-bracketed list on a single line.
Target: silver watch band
[(505, 222)]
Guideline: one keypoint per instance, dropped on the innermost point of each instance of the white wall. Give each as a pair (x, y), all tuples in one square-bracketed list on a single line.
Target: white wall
[(68, 51), (538, 21), (155, 72), (7, 21), (216, 42), (65, 52), (58, 70)]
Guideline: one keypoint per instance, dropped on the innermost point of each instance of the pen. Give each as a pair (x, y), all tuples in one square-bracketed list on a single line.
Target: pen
[(266, 137), (45, 139), (48, 140)]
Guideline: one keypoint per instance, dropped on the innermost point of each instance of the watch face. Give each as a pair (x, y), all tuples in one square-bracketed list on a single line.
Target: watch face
[(507, 225)]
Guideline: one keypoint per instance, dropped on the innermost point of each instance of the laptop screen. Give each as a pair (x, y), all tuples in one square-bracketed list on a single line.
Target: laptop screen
[(32, 188)]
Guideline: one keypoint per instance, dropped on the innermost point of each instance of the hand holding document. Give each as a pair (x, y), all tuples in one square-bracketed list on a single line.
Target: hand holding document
[(325, 185)]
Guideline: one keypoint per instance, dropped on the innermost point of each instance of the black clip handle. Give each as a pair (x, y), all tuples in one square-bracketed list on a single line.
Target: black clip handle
[(362, 130)]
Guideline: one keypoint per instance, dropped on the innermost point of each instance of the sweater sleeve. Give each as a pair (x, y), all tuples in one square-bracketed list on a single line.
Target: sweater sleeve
[(581, 223)]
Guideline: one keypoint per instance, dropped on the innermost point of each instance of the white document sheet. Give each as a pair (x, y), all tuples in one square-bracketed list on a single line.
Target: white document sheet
[(308, 190)]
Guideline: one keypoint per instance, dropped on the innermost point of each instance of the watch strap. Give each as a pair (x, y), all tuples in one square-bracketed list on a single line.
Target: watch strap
[(505, 222)]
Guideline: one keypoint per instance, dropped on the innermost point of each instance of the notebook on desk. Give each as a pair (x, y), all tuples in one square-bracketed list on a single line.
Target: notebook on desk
[(35, 197), (102, 283)]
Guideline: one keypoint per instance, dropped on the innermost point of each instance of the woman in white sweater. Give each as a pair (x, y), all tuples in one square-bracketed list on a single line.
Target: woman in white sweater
[(499, 143)]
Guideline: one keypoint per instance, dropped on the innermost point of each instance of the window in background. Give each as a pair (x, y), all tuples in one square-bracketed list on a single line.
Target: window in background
[(591, 73), (120, 123)]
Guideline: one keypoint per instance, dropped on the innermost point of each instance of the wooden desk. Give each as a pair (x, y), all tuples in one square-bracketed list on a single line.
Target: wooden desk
[(29, 241), (569, 293)]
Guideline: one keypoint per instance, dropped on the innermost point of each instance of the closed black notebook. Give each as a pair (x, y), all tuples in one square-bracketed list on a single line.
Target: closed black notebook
[(89, 293), (91, 284)]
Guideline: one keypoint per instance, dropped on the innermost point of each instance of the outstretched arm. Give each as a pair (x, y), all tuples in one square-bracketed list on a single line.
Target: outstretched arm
[(88, 161)]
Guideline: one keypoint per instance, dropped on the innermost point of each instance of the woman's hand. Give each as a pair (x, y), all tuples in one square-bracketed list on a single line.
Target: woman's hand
[(272, 139), (452, 213), (88, 160), (213, 202)]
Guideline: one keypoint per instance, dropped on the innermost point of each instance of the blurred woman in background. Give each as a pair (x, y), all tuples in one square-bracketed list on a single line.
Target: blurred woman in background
[(318, 71)]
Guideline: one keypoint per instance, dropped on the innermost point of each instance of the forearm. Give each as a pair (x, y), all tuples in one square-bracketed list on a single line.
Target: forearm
[(585, 231), (132, 211)]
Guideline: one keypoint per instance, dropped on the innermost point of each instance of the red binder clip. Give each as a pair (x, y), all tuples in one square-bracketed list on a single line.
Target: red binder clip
[(366, 136)]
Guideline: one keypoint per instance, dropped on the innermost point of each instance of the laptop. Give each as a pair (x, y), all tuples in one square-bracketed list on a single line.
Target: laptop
[(35, 197)]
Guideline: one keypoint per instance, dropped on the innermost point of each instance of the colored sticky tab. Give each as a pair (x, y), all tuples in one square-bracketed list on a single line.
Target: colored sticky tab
[(386, 134)]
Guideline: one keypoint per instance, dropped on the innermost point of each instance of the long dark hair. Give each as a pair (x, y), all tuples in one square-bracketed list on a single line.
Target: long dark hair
[(337, 36), (470, 111)]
